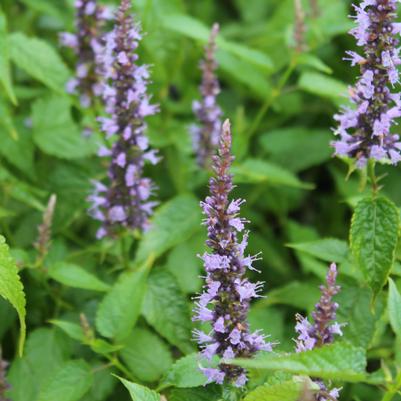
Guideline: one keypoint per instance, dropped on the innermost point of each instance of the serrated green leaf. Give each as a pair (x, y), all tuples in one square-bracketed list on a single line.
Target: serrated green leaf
[(11, 287), (76, 277), (146, 355), (38, 59), (288, 391), (373, 238), (5, 74), (324, 86), (121, 307), (71, 329), (185, 373), (70, 383), (138, 392), (209, 393), (174, 222), (257, 171), (166, 309), (55, 132), (394, 308), (327, 249), (339, 361)]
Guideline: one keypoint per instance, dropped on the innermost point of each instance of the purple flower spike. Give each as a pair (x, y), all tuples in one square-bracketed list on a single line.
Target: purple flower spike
[(323, 329), (125, 203), (86, 43), (364, 130), (205, 136), (227, 293)]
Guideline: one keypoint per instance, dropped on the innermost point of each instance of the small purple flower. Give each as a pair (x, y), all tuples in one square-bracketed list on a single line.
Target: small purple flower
[(227, 293), (205, 136), (364, 131), (324, 327), (126, 202), (86, 44)]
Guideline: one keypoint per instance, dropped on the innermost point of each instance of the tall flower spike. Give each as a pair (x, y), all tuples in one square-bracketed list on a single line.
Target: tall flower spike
[(205, 136), (299, 27), (227, 293), (364, 130), (315, 9), (86, 43), (323, 329), (124, 203)]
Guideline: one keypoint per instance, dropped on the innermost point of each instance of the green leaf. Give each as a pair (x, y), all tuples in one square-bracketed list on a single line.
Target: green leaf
[(166, 309), (45, 353), (282, 146), (174, 222), (209, 393), (146, 355), (287, 391), (373, 238), (69, 383), (11, 287), (328, 249), (38, 59), (311, 60), (185, 373), (339, 361), (324, 86), (121, 307), (76, 277), (195, 29), (55, 132), (394, 307), (71, 329), (5, 74), (138, 392), (257, 171)]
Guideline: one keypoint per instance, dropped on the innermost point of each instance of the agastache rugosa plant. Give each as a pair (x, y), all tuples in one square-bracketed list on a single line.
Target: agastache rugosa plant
[(323, 329), (299, 27), (364, 129), (205, 136), (124, 203), (86, 44), (225, 300)]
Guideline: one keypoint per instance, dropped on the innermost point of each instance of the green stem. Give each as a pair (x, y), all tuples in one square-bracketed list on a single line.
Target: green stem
[(389, 395), (372, 176), (273, 96)]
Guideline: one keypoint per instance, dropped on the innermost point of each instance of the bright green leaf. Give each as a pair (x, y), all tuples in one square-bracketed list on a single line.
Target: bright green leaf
[(146, 355), (394, 308), (38, 59), (327, 249), (138, 392), (11, 287), (55, 132), (338, 361), (257, 171), (76, 277), (174, 222), (373, 238), (120, 308), (69, 383), (5, 74), (71, 329), (166, 309)]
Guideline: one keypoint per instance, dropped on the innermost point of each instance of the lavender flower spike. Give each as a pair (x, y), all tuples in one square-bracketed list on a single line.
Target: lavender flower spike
[(86, 43), (205, 136), (323, 329), (364, 130), (227, 293), (124, 203)]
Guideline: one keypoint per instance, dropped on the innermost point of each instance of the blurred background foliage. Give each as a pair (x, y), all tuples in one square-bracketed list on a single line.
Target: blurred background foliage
[(281, 104)]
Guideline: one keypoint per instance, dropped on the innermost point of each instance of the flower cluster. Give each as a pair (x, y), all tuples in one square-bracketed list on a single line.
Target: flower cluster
[(364, 130), (86, 43), (125, 202), (225, 300), (324, 328), (205, 136)]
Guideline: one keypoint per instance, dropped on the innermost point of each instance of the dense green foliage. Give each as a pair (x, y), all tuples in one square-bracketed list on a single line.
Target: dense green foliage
[(108, 316)]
